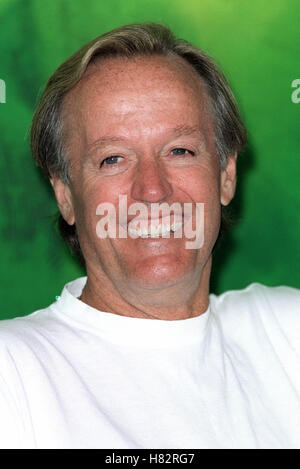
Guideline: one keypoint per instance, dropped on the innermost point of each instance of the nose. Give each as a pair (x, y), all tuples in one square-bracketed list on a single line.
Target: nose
[(150, 184)]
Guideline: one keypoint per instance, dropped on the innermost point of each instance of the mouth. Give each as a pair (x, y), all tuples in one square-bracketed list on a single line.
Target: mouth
[(153, 229)]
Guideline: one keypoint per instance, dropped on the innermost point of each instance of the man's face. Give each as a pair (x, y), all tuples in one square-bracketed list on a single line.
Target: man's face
[(142, 128)]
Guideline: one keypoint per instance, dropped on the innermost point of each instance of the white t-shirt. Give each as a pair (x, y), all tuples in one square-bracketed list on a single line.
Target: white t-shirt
[(75, 377)]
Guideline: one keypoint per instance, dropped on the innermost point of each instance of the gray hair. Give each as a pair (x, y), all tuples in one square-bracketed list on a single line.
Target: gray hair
[(47, 131)]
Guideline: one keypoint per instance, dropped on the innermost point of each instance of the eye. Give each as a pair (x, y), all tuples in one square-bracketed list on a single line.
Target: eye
[(111, 160), (182, 151)]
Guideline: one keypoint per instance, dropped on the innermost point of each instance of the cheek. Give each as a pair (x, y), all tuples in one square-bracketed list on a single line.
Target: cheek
[(90, 206), (200, 184), (86, 202), (203, 186)]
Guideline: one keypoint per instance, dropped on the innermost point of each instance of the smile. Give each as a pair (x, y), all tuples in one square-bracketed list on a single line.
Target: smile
[(154, 230)]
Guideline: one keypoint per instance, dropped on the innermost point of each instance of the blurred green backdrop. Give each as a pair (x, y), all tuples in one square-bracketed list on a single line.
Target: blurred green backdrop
[(257, 45)]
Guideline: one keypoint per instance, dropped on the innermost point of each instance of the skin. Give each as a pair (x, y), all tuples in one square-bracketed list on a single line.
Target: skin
[(143, 109)]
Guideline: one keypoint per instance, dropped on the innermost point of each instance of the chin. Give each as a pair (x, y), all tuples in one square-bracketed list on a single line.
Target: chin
[(159, 272)]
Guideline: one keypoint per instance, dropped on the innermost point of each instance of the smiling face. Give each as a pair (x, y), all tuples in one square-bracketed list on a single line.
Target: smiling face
[(142, 128)]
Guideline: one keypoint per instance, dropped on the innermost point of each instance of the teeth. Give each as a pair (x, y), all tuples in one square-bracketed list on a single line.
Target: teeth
[(154, 231), (176, 225)]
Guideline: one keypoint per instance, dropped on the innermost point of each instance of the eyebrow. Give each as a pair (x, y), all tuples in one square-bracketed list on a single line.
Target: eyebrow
[(177, 131)]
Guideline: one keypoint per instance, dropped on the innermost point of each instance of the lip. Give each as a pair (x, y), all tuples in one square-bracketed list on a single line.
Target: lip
[(156, 228), (142, 223), (154, 231)]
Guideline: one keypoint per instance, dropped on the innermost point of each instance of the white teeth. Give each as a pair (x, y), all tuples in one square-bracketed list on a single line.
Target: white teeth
[(176, 225), (154, 231)]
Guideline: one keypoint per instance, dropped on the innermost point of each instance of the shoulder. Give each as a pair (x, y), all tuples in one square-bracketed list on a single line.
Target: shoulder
[(280, 299), (23, 334), (276, 310), (17, 339), (21, 347), (24, 347)]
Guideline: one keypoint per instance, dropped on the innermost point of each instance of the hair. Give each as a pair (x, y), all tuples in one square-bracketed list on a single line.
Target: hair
[(47, 130)]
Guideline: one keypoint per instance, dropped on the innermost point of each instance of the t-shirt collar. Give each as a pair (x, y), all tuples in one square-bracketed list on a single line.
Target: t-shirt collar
[(127, 330)]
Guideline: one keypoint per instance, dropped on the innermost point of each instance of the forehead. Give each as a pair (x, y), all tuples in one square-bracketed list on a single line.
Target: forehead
[(140, 94)]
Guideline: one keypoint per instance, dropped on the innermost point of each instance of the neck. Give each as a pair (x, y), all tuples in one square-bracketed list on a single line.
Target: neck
[(186, 299)]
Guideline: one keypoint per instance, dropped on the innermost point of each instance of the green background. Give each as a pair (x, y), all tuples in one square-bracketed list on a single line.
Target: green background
[(257, 45)]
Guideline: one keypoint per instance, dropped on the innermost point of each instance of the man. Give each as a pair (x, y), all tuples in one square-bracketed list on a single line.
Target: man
[(138, 354)]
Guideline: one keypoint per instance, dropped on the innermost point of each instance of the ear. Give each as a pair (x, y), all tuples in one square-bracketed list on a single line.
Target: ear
[(64, 199), (228, 180)]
